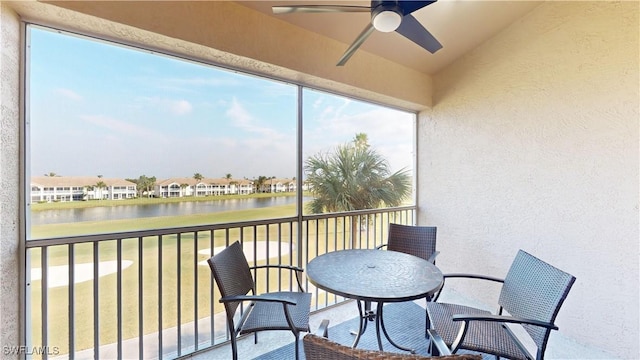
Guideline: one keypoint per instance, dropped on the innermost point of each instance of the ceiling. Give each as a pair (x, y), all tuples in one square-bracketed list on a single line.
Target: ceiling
[(460, 26)]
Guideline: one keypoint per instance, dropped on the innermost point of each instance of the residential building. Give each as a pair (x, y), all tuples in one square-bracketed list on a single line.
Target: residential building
[(279, 185), (80, 188), (181, 187)]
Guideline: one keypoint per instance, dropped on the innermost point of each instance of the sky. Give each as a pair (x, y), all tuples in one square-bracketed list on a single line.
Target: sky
[(97, 108)]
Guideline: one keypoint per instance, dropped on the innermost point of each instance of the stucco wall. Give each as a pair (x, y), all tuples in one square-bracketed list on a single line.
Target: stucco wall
[(533, 144), (9, 178)]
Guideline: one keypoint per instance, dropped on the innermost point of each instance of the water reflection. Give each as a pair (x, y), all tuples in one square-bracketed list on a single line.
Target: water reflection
[(152, 210)]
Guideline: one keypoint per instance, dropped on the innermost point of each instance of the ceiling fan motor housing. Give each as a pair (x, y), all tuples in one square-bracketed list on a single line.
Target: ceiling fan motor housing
[(386, 16)]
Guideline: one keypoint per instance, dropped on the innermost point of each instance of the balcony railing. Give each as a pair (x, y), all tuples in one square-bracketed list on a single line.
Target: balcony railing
[(150, 293)]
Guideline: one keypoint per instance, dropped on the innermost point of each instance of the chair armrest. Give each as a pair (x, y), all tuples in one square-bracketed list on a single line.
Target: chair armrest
[(283, 267), (473, 276), (265, 298), (432, 258), (436, 340), (462, 331), (464, 276), (323, 329), (298, 271), (503, 319)]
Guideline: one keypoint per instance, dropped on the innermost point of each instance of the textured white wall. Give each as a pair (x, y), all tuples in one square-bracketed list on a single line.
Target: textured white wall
[(533, 144), (9, 177)]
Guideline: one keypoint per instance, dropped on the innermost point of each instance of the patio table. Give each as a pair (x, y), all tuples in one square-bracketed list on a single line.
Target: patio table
[(374, 276)]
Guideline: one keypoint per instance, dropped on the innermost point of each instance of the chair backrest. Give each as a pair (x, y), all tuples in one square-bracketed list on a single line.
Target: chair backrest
[(232, 274), (321, 348), (419, 241), (533, 289)]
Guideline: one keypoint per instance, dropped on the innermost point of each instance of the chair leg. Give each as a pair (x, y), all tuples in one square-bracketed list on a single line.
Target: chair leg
[(234, 347), (297, 346), (232, 334), (427, 324)]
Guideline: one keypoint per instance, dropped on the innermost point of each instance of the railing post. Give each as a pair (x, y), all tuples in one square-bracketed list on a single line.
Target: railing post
[(299, 192), (72, 301)]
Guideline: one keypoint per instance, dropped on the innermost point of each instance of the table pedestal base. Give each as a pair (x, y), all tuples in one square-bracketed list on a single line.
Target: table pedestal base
[(366, 315)]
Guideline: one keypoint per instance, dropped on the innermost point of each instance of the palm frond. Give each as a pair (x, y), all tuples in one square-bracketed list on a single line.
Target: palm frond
[(354, 178)]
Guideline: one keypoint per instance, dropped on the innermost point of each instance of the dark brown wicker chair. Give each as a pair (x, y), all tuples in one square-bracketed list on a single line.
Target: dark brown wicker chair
[(419, 241), (318, 347), (532, 294), (269, 311)]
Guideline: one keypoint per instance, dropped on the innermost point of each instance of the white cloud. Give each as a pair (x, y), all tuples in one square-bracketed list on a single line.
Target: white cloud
[(203, 81), (67, 93), (238, 114), (384, 128), (327, 112), (123, 128), (192, 84), (217, 156), (344, 105), (242, 119), (176, 107), (379, 124), (330, 112), (180, 107)]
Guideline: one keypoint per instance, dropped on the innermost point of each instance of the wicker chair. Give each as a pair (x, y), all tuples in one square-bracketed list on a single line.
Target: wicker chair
[(532, 294), (419, 241), (318, 347), (269, 311)]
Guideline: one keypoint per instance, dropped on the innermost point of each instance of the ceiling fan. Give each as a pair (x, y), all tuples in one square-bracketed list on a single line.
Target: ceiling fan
[(386, 16)]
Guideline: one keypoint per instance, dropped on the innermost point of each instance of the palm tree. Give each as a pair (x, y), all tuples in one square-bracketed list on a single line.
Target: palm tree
[(198, 178), (151, 184), (361, 140), (183, 186), (228, 176), (144, 184), (259, 183), (101, 185), (87, 189), (234, 185), (354, 177)]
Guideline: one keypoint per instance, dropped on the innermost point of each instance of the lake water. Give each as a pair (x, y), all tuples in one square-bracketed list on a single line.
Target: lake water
[(153, 210)]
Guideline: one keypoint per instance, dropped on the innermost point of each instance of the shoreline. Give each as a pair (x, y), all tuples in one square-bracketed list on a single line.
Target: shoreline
[(147, 201)]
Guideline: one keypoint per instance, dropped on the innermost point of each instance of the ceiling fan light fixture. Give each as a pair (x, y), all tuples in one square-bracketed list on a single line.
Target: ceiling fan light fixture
[(386, 16), (386, 21)]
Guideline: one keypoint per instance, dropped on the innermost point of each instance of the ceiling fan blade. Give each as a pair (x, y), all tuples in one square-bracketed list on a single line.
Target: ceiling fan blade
[(410, 6), (356, 44), (318, 9), (414, 31)]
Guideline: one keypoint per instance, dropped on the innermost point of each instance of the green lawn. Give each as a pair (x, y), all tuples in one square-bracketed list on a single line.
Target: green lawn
[(58, 302)]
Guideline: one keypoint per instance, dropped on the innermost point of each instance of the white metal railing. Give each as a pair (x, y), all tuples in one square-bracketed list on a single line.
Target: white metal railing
[(150, 293)]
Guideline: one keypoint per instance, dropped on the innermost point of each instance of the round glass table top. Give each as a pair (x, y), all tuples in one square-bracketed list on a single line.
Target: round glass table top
[(376, 275)]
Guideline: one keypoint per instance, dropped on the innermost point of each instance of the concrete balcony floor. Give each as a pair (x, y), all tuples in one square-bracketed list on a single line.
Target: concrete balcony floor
[(559, 347)]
